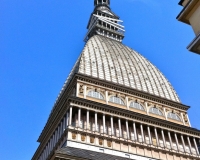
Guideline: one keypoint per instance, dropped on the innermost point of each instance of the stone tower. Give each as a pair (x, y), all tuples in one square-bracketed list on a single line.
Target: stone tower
[(116, 105)]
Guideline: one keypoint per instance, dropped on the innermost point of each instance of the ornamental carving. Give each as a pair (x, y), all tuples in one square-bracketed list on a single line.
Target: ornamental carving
[(149, 104), (109, 143), (111, 93), (121, 95), (154, 141), (73, 135), (185, 118), (131, 99), (159, 107), (168, 110), (90, 87), (81, 89), (91, 139), (83, 137), (100, 142)]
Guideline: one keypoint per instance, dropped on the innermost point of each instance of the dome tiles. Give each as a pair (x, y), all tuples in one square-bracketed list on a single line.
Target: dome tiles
[(112, 61)]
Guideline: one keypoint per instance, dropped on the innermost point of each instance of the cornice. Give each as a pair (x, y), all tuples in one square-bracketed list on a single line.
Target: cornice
[(186, 11), (132, 91), (57, 108)]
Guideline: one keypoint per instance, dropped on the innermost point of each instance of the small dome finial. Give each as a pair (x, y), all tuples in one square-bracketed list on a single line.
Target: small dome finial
[(100, 2)]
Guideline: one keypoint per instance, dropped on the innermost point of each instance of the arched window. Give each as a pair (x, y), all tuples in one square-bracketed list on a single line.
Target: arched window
[(117, 100), (173, 116), (136, 106), (95, 94), (155, 111)]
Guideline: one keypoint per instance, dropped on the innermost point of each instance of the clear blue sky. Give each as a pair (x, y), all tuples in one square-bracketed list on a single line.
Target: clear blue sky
[(41, 40)]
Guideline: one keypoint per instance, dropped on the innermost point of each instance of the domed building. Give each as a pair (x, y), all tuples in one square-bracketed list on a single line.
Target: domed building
[(116, 105)]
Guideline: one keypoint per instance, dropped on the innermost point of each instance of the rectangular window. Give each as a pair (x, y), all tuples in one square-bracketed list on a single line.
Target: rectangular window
[(161, 143), (139, 138), (147, 139), (168, 145), (175, 146), (154, 141), (181, 148)]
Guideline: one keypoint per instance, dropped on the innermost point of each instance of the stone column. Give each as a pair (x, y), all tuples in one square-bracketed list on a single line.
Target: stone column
[(183, 142), (170, 139), (165, 113), (182, 119), (58, 133), (112, 129), (176, 141), (53, 140), (149, 133), (156, 134), (95, 121), (104, 124), (120, 129), (188, 120), (195, 143), (85, 91), (77, 89), (88, 122), (54, 143), (142, 132), (107, 97), (70, 116), (79, 117), (147, 110), (57, 137), (127, 130), (163, 136), (189, 144), (135, 131), (60, 129), (127, 105), (64, 124), (67, 119)]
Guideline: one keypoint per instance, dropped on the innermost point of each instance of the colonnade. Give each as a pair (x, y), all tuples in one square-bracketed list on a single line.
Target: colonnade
[(134, 132), (165, 142)]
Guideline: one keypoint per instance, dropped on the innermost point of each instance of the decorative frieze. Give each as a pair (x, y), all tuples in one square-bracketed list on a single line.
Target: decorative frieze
[(127, 99)]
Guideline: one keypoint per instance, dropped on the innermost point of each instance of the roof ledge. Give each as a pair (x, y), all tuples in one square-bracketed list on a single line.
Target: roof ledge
[(186, 12), (194, 46)]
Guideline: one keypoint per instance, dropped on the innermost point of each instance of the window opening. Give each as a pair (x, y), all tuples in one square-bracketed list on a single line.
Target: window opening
[(173, 116), (156, 111), (95, 95), (136, 106), (117, 100)]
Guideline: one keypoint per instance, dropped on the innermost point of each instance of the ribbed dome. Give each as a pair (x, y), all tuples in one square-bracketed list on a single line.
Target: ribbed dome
[(110, 60)]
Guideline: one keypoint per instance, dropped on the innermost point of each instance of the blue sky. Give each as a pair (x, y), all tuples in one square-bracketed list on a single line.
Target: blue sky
[(41, 40)]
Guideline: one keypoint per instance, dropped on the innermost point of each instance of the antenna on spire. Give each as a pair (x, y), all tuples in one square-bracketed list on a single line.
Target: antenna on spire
[(102, 2), (104, 22)]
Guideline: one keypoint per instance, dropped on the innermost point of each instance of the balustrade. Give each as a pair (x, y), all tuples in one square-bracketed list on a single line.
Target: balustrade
[(121, 129)]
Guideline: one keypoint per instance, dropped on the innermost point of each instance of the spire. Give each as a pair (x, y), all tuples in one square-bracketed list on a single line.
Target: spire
[(104, 22), (102, 2)]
